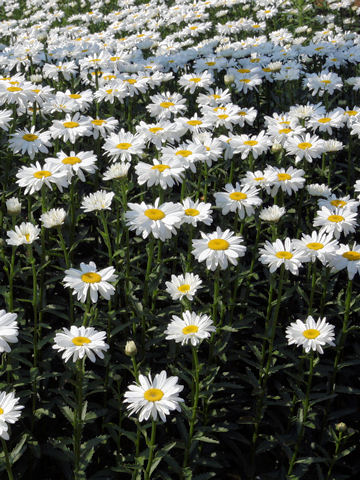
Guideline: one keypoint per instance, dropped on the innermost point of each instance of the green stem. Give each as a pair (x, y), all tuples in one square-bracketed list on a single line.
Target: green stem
[(67, 263), (196, 388), (151, 450), (7, 460), (87, 311), (11, 280), (107, 239), (312, 293), (335, 456), (78, 421), (306, 406)]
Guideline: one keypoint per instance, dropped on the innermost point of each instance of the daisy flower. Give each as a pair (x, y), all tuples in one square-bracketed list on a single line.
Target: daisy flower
[(323, 82), (71, 128), (336, 221), (154, 397), (90, 279), (332, 202), (159, 220), (318, 245), (317, 190), (29, 142), (255, 144), (102, 127), (242, 199), (218, 249), (8, 331), (190, 328), (35, 176), (25, 234), (116, 170), (196, 211), (165, 105), (100, 200), (311, 335), (189, 153), (76, 163), (289, 180), (183, 286), (190, 82), (123, 145), (272, 214), (276, 254), (53, 218), (346, 257), (304, 147), (13, 206), (80, 342), (165, 174), (9, 412)]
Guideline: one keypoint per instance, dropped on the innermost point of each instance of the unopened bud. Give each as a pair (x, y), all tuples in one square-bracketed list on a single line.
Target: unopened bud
[(130, 348), (13, 206), (341, 427), (276, 148), (229, 79)]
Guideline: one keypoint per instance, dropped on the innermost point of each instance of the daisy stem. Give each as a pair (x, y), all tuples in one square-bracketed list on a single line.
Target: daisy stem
[(151, 446), (196, 389), (335, 455), (11, 279), (313, 282), (107, 239), (78, 416), (148, 269), (206, 171), (324, 292), (7, 460), (189, 255), (67, 263), (34, 304), (87, 313), (305, 408), (216, 295)]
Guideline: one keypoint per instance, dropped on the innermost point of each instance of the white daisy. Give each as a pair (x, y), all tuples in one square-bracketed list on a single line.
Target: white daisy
[(190, 328), (166, 174), (154, 397), (76, 163), (123, 145), (29, 142), (241, 199), (25, 234), (35, 176), (116, 170), (90, 279), (318, 245), (159, 220), (311, 335), (218, 249), (100, 200), (80, 342), (336, 221), (53, 218), (346, 257), (8, 330), (9, 412), (276, 254), (272, 214), (183, 286), (71, 128)]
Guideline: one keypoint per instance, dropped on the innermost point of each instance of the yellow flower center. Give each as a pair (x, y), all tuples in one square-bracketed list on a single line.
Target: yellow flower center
[(245, 80), (194, 123), (283, 176), (285, 122), (326, 82), (315, 246), (1, 411), (336, 218), (338, 203), (193, 28), (109, 91), (190, 329), (75, 96), (71, 160), (71, 124), (238, 196), (195, 79), (286, 255), (351, 113), (352, 256), (27, 237), (266, 69), (154, 214), (215, 96), (14, 89), (98, 123), (153, 394), (184, 288), (191, 212), (79, 341), (131, 81), (223, 116), (244, 70), (304, 145), (324, 120), (184, 153), (166, 104), (251, 143), (258, 179), (114, 59), (311, 333), (123, 146), (42, 174), (285, 130), (210, 64), (155, 129), (30, 137), (91, 277), (161, 167), (218, 244)]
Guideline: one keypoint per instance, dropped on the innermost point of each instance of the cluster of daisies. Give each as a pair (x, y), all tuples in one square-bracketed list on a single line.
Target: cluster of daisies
[(78, 83)]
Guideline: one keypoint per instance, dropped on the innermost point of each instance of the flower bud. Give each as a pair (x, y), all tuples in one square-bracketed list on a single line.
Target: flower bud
[(13, 206), (341, 427), (229, 79), (130, 348), (276, 148)]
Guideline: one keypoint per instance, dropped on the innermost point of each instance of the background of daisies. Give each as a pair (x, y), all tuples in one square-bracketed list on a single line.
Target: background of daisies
[(179, 282)]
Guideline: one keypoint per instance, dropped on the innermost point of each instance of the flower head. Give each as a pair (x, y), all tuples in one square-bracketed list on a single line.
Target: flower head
[(311, 335), (154, 397), (8, 330), (190, 328), (9, 412)]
